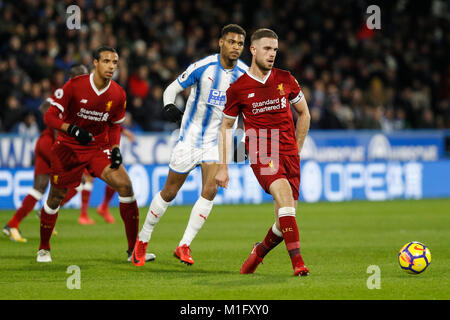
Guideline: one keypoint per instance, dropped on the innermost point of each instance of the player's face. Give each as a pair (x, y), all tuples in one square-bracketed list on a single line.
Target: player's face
[(264, 52), (107, 64), (232, 45)]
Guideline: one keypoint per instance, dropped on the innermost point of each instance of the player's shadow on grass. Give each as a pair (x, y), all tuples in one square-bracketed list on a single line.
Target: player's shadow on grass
[(36, 266)]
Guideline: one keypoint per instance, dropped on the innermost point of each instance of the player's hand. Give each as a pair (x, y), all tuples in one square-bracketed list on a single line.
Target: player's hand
[(240, 152), (81, 135), (116, 158), (222, 177), (173, 113)]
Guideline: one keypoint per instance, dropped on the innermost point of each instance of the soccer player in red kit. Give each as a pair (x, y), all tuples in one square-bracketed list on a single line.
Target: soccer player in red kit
[(88, 184), (263, 96), (42, 171), (91, 108)]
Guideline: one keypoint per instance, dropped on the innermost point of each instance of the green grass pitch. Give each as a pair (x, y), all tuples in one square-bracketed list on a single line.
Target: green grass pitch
[(339, 241)]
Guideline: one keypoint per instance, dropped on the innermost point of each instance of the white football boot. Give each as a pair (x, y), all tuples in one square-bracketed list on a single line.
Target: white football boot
[(44, 256)]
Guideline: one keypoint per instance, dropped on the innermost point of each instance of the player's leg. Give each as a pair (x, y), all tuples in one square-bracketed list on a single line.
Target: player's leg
[(119, 180), (261, 249), (103, 208), (281, 191), (49, 215), (182, 161), (158, 207), (273, 236), (67, 165), (71, 192), (199, 213), (11, 229), (85, 198)]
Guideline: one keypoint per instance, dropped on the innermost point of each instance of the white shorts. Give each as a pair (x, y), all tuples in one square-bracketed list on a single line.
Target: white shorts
[(186, 157)]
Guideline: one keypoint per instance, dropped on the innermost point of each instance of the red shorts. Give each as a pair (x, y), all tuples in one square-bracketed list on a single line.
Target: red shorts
[(287, 167), (42, 154), (69, 163)]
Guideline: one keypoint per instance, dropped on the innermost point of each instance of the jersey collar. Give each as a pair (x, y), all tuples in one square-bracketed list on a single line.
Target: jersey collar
[(98, 92), (221, 66), (259, 80)]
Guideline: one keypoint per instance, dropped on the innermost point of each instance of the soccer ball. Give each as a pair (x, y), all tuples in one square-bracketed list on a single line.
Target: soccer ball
[(414, 257)]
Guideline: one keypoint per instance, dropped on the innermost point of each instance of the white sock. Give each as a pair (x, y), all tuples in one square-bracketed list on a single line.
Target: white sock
[(157, 209), (199, 214), (88, 186)]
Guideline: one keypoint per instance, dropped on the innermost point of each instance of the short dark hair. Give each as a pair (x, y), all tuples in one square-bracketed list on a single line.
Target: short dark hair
[(77, 69), (263, 33), (102, 49), (235, 28)]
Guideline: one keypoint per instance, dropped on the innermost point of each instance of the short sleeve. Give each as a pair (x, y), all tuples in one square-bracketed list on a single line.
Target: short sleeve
[(189, 76), (296, 93), (231, 109), (119, 115), (61, 97)]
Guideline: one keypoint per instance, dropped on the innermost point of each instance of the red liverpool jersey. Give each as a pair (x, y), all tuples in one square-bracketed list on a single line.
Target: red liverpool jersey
[(82, 104), (265, 108)]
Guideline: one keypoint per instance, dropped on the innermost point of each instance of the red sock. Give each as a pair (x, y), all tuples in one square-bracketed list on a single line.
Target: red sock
[(130, 216), (27, 205), (109, 193), (48, 222), (270, 241), (291, 238), (69, 195), (85, 197)]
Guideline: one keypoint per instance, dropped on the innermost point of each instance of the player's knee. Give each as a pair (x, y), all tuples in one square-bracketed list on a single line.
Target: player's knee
[(168, 194), (209, 191), (55, 197), (124, 189), (40, 183)]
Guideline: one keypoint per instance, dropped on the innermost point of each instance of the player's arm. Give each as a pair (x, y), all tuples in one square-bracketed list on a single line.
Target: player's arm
[(303, 121), (127, 133), (173, 113), (114, 138), (58, 104), (225, 145), (115, 130), (52, 120), (45, 105)]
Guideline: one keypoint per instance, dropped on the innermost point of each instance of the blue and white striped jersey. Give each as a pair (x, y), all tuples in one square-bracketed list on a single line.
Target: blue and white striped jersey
[(203, 113)]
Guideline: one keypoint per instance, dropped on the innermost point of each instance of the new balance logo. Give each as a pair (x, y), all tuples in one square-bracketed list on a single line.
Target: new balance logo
[(251, 95), (83, 101)]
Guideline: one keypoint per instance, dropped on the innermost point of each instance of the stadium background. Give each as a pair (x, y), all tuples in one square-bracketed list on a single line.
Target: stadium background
[(379, 101), (391, 81)]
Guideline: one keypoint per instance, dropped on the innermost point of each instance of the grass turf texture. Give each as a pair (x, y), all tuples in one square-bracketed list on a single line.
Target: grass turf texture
[(338, 240)]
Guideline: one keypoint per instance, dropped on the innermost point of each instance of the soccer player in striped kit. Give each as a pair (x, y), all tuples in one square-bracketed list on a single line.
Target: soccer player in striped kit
[(208, 78)]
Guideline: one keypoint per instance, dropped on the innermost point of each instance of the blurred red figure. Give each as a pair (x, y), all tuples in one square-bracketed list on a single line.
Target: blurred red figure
[(42, 154)]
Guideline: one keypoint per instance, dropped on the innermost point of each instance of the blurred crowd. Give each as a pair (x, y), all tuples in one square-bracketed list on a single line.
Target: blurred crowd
[(394, 78)]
